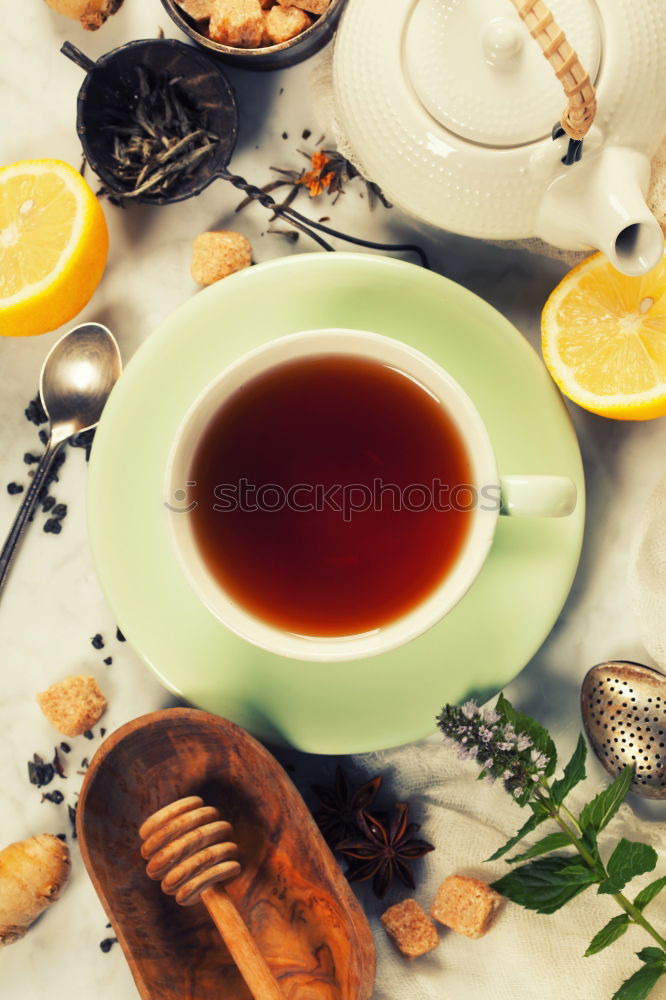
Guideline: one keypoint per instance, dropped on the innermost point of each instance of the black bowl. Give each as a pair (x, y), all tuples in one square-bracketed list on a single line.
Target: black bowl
[(112, 78), (270, 56)]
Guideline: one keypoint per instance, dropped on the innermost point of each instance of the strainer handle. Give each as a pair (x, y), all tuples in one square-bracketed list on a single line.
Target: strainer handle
[(579, 113), (77, 56)]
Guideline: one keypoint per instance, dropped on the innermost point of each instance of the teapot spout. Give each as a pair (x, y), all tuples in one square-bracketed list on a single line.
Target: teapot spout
[(599, 203)]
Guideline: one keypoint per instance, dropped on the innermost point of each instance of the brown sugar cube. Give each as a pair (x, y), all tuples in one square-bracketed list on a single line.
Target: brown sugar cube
[(411, 928), (72, 705), (466, 905), (238, 23), (198, 10), (317, 7), (282, 23), (218, 254)]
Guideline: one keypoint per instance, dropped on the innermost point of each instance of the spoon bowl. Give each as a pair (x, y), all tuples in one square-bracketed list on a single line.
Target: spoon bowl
[(77, 377), (76, 380)]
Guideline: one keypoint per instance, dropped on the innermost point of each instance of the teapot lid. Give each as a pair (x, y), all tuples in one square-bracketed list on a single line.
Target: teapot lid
[(475, 69)]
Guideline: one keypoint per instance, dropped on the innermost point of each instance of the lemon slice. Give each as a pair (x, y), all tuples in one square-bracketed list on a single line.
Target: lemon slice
[(604, 339), (53, 246)]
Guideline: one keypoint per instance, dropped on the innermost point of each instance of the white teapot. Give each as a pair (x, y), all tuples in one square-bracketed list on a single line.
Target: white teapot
[(449, 105)]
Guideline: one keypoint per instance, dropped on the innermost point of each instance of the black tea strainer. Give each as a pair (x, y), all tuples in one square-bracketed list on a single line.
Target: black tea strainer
[(110, 90)]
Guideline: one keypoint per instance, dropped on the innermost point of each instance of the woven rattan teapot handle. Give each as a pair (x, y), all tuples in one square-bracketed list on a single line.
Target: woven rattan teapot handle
[(579, 113)]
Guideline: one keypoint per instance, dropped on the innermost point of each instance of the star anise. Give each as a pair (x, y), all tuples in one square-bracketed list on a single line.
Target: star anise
[(340, 806), (384, 850)]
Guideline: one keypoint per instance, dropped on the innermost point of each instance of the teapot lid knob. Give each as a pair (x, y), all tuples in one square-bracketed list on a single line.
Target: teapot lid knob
[(502, 43), (474, 68)]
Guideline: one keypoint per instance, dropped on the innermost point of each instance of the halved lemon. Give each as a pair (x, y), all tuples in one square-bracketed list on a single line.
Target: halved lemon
[(53, 246), (604, 339)]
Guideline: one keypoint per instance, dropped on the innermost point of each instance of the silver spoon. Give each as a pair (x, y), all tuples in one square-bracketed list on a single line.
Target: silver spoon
[(76, 379), (624, 715)]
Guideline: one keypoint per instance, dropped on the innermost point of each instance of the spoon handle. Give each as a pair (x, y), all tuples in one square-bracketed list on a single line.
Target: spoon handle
[(26, 509)]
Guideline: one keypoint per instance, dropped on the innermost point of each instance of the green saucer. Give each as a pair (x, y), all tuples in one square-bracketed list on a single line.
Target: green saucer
[(370, 703)]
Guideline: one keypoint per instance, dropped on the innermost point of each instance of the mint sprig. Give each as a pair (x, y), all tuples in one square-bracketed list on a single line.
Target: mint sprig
[(516, 749)]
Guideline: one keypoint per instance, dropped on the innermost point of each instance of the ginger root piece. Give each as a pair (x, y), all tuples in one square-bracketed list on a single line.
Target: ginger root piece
[(72, 705), (218, 254), (33, 873), (282, 23), (237, 23), (91, 13)]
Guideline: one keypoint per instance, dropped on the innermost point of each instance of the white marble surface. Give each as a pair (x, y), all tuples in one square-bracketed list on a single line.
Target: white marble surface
[(53, 604)]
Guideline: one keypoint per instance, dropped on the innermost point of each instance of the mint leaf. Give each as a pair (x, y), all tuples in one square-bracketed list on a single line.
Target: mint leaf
[(574, 773), (552, 842), (639, 986), (651, 955), (589, 841), (613, 930), (599, 812), (539, 736), (546, 884), (581, 871), (630, 858), (647, 894), (526, 828)]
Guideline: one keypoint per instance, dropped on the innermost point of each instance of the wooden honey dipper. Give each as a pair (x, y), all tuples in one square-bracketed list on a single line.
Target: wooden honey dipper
[(188, 848)]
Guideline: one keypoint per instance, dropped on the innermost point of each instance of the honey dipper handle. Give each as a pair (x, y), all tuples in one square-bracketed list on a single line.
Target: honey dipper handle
[(259, 979)]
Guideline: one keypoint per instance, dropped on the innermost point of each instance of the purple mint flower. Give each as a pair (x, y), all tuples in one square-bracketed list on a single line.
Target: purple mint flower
[(490, 716), (523, 743), (470, 709)]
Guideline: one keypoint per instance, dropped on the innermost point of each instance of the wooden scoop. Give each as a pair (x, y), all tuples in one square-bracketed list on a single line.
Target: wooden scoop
[(188, 848), (290, 891)]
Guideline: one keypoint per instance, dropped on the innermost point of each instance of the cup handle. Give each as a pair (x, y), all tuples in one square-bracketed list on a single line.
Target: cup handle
[(537, 496)]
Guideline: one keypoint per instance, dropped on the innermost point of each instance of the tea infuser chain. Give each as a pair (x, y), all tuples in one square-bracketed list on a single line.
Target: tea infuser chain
[(308, 226), (581, 108)]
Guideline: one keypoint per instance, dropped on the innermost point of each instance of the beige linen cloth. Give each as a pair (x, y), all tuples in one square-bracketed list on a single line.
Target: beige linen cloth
[(526, 955)]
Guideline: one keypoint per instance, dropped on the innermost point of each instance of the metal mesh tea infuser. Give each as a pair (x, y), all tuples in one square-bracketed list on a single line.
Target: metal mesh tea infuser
[(624, 714)]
